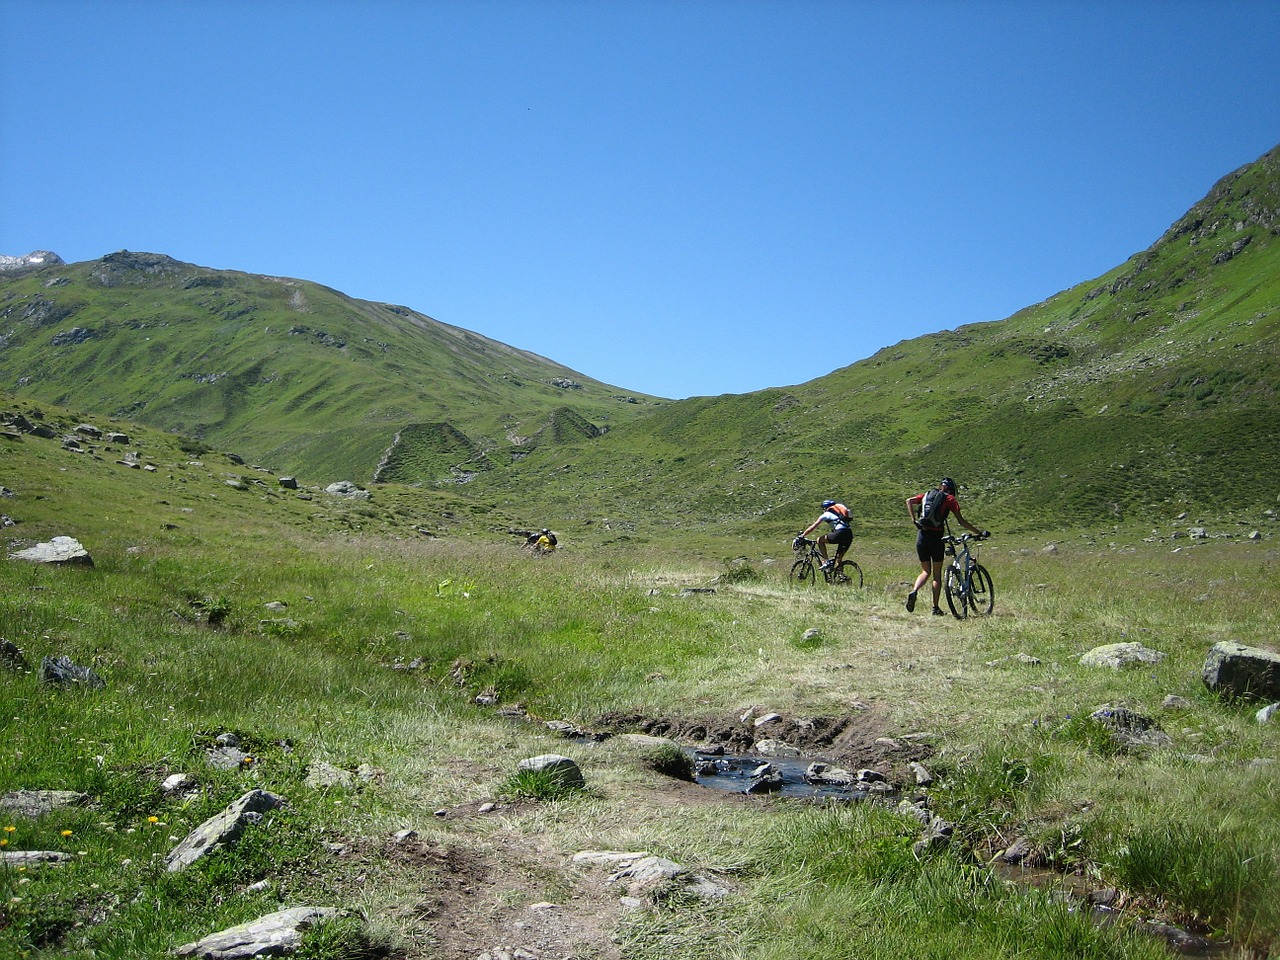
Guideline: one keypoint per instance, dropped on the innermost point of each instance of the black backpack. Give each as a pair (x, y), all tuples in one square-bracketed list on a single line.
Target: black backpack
[(931, 509)]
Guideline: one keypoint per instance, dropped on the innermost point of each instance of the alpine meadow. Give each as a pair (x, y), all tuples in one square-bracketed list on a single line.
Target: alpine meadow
[(279, 676)]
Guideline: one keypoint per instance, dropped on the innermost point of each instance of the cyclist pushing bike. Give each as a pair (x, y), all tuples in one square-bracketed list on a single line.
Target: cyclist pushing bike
[(840, 534), (929, 511)]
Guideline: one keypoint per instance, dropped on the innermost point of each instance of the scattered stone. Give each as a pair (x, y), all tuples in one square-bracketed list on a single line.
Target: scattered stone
[(1175, 702), (222, 829), (270, 936), (764, 779), (937, 835), (1021, 851), (325, 776), (59, 550), (288, 483), (1023, 658), (345, 488), (11, 657), (566, 771), (60, 671), (823, 774), (32, 858), (775, 748), (1267, 714), (32, 804), (176, 784), (923, 777), (1131, 730), (1119, 656), (1234, 670), (88, 430), (276, 606)]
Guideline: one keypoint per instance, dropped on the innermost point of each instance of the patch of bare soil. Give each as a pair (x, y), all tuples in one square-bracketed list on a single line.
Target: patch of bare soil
[(507, 901), (507, 897)]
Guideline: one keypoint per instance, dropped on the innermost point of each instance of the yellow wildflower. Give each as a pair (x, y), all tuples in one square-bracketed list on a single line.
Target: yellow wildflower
[(67, 833)]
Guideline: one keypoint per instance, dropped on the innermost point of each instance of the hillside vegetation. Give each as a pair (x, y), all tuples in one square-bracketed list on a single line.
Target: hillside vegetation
[(1136, 398), (286, 372)]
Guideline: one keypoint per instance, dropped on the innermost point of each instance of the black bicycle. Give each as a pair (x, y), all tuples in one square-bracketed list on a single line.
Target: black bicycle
[(809, 563), (968, 584)]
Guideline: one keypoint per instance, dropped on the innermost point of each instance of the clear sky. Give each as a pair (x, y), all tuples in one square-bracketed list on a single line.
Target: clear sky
[(677, 198)]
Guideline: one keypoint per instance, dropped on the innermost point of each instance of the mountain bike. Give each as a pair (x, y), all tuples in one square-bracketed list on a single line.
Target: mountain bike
[(968, 585), (809, 562)]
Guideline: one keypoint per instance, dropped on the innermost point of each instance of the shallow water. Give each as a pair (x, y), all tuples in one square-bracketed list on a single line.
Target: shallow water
[(734, 774)]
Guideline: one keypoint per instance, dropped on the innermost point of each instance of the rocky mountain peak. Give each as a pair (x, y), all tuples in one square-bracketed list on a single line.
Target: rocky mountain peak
[(33, 260)]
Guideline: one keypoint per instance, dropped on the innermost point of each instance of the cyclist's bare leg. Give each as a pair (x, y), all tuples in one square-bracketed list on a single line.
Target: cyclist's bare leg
[(822, 547)]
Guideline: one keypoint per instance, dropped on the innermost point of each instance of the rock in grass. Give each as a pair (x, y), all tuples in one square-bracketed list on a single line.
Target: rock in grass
[(563, 769), (58, 551), (221, 830), (60, 671), (270, 936), (1233, 670), (1119, 656), (37, 803)]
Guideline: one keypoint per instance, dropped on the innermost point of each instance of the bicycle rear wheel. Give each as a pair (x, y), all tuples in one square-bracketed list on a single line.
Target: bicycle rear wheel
[(849, 574), (803, 572), (982, 591), (953, 587)]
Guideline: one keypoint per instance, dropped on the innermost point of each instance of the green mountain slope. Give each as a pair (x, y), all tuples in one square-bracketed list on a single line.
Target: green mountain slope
[(1136, 397), (284, 371)]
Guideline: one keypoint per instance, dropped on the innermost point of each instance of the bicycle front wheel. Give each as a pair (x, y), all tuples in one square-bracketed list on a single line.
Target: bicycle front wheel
[(953, 587), (849, 574), (802, 572), (982, 592)]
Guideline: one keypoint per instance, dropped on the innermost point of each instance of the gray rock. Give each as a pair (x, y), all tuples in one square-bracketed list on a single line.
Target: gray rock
[(60, 671), (1268, 713), (222, 829), (270, 936), (11, 657), (33, 858), (1234, 670), (566, 771), (288, 483), (1119, 656), (59, 550), (36, 803), (345, 488), (1131, 730), (325, 776)]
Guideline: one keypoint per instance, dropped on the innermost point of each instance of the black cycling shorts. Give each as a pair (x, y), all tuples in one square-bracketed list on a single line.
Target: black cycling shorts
[(929, 546), (840, 536)]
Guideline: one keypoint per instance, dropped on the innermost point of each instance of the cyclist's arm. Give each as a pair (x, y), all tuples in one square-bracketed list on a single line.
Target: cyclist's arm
[(965, 523), (912, 503)]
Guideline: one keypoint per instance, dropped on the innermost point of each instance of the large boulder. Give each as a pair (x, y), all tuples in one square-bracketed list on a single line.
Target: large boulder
[(1233, 670), (59, 550)]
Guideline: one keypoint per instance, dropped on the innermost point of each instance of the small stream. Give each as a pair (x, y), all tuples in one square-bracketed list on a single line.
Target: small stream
[(787, 777), (791, 777)]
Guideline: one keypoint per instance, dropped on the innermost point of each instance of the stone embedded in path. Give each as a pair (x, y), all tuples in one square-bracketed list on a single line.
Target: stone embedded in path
[(59, 550), (270, 936), (222, 829), (1234, 670)]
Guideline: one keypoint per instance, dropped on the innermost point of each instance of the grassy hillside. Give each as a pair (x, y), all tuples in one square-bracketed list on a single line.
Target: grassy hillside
[(1146, 394), (286, 372)]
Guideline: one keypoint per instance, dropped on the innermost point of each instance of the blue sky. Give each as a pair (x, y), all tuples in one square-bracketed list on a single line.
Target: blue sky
[(677, 198)]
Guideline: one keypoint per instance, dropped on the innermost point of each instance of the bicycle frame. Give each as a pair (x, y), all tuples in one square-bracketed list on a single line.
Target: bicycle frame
[(810, 559), (968, 584)]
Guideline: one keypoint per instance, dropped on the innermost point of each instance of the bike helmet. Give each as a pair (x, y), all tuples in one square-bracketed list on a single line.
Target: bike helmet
[(545, 530), (828, 503), (948, 485)]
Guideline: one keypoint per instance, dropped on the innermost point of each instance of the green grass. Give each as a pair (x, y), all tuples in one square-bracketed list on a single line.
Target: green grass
[(590, 631)]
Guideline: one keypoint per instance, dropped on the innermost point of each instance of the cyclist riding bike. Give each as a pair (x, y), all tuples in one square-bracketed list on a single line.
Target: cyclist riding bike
[(837, 515)]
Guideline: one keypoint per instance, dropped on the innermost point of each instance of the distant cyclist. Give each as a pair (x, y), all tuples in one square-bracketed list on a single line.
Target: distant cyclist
[(928, 512), (544, 541), (840, 534)]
